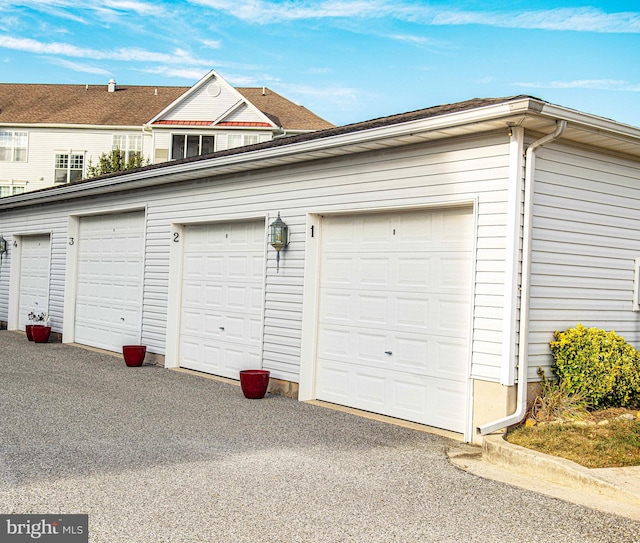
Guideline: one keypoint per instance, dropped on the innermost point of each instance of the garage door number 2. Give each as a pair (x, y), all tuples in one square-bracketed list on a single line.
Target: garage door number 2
[(176, 237)]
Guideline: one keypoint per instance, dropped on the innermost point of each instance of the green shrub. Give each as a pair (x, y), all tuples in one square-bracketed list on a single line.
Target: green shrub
[(598, 365)]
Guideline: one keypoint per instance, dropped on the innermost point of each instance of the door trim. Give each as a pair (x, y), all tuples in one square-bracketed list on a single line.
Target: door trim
[(15, 276), (71, 267), (176, 276)]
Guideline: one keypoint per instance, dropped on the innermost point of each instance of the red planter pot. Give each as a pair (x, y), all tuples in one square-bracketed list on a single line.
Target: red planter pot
[(27, 329), (134, 355), (254, 383), (40, 334)]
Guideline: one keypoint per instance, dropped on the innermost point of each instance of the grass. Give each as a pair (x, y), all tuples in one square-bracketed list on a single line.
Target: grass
[(612, 444)]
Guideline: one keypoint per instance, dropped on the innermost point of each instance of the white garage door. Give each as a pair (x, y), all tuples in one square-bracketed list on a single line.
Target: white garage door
[(394, 314), (34, 277), (222, 293), (110, 268)]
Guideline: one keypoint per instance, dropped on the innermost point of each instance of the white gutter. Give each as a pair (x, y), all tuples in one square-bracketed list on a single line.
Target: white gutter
[(523, 351)]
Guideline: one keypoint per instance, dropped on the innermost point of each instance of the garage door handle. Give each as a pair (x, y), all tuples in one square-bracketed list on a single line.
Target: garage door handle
[(388, 352), (220, 327)]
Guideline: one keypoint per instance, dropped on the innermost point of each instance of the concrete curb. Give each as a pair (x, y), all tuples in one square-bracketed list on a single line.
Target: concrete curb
[(549, 468)]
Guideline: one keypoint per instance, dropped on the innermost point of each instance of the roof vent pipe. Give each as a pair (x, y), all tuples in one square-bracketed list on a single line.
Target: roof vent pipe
[(112, 85), (523, 348)]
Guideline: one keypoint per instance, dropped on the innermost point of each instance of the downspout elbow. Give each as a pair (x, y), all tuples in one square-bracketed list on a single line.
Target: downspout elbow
[(523, 352)]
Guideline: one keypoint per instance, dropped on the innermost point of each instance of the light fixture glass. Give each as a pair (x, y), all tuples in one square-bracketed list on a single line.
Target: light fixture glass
[(278, 237)]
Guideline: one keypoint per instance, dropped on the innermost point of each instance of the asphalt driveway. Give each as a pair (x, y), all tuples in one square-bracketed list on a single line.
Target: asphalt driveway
[(153, 455)]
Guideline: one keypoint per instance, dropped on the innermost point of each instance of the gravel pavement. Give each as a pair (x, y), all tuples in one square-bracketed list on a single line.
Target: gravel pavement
[(153, 455)]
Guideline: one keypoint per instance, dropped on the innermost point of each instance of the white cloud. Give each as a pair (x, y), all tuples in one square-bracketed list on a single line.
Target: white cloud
[(420, 41), (212, 44), (250, 80), (180, 73), (321, 92), (584, 19), (91, 11), (79, 67), (567, 19), (265, 11), (179, 56), (141, 8), (593, 84)]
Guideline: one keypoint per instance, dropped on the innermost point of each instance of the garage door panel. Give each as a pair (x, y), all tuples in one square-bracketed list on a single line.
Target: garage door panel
[(34, 277), (449, 350), (394, 314), (109, 285), (403, 272), (404, 396), (419, 313), (414, 272), (222, 297), (337, 270), (452, 316), (454, 272), (373, 272), (412, 314), (371, 309)]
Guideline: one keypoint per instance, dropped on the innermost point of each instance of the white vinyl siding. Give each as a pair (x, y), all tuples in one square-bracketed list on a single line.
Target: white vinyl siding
[(459, 170), (202, 106), (45, 143), (586, 235), (243, 114)]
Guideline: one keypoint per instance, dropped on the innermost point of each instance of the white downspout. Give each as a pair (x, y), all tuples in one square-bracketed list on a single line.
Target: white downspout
[(523, 351)]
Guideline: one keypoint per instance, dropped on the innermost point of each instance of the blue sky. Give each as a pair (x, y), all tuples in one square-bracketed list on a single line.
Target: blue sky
[(346, 60)]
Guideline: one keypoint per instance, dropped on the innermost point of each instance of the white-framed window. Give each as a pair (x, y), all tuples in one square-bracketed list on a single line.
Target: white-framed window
[(13, 146), (69, 167), (188, 145), (11, 189), (238, 140), (129, 144)]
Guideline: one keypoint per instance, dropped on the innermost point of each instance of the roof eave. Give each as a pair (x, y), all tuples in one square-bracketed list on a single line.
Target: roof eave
[(466, 122)]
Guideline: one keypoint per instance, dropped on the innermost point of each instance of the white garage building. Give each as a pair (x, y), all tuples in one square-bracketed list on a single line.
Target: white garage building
[(430, 253)]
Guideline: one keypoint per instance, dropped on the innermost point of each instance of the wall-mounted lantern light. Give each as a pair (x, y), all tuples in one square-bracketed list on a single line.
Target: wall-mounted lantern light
[(3, 247), (278, 237)]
